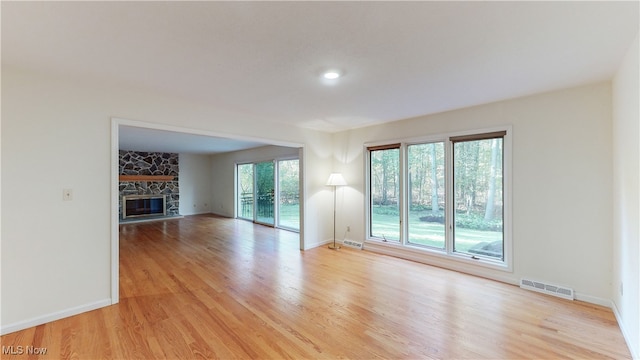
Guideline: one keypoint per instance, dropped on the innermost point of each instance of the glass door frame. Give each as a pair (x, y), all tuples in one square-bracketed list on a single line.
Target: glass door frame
[(278, 199), (256, 203), (239, 199), (276, 196)]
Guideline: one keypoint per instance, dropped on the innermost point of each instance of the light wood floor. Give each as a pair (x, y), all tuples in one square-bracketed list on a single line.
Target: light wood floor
[(206, 287)]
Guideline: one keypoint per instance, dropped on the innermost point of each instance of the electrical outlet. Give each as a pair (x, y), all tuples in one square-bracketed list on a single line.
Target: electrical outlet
[(348, 228)]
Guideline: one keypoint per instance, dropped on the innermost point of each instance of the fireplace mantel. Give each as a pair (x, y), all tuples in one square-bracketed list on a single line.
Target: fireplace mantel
[(146, 178)]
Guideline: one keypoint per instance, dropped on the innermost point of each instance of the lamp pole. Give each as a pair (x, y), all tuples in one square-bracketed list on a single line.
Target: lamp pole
[(334, 247), (335, 180)]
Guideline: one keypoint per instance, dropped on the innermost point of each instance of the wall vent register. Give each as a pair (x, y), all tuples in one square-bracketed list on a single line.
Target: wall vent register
[(559, 291)]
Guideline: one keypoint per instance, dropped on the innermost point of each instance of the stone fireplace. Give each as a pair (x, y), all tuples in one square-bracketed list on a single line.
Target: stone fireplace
[(149, 184)]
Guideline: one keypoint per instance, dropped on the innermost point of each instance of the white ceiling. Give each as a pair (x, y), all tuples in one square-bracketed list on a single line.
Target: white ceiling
[(154, 140), (400, 59)]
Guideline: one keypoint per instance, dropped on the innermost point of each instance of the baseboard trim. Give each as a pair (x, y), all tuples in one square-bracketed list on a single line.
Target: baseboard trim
[(53, 316), (592, 299), (204, 212), (635, 353), (318, 244), (149, 219)]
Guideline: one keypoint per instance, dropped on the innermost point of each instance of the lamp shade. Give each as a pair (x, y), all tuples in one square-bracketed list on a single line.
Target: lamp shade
[(336, 179)]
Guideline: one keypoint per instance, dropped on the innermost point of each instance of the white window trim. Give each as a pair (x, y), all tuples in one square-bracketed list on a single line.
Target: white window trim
[(434, 256)]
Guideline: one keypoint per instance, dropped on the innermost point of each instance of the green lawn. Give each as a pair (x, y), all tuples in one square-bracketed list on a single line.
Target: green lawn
[(290, 216), (421, 232), (429, 234)]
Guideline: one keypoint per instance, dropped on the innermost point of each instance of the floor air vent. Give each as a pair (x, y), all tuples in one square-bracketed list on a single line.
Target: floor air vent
[(353, 244), (565, 293)]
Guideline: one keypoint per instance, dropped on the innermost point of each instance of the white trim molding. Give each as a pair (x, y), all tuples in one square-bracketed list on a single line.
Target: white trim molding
[(635, 353), (54, 316)]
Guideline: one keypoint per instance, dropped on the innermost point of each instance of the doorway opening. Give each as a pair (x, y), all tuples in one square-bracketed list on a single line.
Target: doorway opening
[(138, 132)]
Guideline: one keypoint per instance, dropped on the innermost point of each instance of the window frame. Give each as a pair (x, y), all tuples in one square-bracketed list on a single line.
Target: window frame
[(448, 253), (408, 189), (401, 231)]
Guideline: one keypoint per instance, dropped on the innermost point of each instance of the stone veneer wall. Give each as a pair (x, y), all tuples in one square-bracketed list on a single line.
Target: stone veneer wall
[(151, 163)]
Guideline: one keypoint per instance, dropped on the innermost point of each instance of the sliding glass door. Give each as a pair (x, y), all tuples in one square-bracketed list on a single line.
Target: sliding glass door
[(245, 191), (265, 193), (289, 194), (268, 193)]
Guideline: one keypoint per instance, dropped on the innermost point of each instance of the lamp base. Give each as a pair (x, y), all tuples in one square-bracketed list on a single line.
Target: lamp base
[(334, 247)]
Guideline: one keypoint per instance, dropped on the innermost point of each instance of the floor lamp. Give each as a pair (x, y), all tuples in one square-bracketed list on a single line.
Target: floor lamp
[(335, 180)]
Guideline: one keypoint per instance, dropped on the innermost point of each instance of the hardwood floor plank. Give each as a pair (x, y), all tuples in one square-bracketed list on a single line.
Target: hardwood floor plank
[(206, 287)]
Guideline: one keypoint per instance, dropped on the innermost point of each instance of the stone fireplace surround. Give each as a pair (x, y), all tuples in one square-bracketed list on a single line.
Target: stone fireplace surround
[(135, 163)]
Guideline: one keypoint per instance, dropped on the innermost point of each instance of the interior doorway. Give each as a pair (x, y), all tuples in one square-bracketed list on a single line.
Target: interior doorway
[(150, 133)]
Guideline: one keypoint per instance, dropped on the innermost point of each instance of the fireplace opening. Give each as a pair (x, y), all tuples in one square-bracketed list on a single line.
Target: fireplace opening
[(143, 205)]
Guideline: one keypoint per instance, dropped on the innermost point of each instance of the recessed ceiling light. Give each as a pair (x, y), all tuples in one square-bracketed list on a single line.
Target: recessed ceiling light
[(331, 75)]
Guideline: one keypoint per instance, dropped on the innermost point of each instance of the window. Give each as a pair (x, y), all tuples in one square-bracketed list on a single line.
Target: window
[(426, 194), (478, 199), (444, 195), (384, 188)]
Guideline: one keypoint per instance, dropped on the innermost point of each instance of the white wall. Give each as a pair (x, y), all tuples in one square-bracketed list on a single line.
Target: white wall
[(626, 198), (195, 184), (55, 254), (56, 134), (561, 183)]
